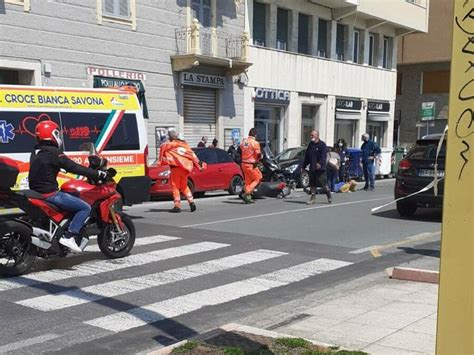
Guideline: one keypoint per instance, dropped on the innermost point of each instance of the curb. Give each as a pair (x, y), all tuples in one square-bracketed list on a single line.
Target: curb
[(231, 327), (417, 275)]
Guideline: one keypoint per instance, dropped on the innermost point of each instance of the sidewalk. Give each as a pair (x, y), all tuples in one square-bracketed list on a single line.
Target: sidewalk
[(378, 315)]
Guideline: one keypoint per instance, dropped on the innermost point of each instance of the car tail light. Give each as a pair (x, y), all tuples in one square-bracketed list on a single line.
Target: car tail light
[(404, 167), (145, 153)]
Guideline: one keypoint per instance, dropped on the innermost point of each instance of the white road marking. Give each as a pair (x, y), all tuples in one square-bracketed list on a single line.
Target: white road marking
[(138, 242), (27, 342), (363, 250), (115, 288), (285, 212), (136, 317), (101, 266)]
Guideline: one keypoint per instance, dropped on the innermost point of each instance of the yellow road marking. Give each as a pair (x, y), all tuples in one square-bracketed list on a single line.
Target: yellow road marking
[(376, 252)]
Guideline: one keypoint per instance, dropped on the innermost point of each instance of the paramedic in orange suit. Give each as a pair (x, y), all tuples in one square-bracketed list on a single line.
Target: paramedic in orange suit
[(179, 156), (251, 155)]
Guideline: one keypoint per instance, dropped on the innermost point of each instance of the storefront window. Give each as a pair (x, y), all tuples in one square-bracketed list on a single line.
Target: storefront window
[(267, 123), (309, 121), (376, 131), (345, 129)]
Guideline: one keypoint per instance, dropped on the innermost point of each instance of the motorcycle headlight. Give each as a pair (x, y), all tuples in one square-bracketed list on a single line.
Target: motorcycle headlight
[(292, 168), (165, 173)]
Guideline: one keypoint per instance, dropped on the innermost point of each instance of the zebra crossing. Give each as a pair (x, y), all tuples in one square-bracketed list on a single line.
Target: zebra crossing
[(254, 271)]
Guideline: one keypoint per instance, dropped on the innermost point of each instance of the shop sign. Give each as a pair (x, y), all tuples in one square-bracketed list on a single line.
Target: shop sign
[(348, 104), (374, 106), (206, 80), (427, 111), (114, 73), (272, 95)]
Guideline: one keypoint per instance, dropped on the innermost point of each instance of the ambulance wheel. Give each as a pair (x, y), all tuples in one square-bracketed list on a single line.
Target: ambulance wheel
[(235, 183)]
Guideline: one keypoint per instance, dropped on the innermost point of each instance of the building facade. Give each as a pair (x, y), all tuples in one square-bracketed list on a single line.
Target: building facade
[(186, 57), (424, 61), (326, 65)]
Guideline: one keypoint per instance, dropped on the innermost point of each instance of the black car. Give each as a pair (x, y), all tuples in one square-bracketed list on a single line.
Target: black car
[(415, 172), (292, 158)]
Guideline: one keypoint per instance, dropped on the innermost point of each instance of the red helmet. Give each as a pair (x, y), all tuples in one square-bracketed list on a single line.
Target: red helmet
[(48, 131)]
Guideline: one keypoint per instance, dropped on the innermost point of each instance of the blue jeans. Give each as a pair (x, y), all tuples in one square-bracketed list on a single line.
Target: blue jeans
[(74, 205), (369, 173), (332, 179)]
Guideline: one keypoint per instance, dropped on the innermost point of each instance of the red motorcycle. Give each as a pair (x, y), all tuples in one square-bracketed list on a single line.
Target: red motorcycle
[(37, 230)]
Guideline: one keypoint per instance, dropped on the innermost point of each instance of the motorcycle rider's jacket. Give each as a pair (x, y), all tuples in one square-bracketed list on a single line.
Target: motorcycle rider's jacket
[(45, 164), (177, 153), (251, 152)]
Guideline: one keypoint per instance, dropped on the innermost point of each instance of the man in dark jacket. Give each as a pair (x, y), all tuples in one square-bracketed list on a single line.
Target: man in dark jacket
[(370, 150), (45, 164), (315, 157)]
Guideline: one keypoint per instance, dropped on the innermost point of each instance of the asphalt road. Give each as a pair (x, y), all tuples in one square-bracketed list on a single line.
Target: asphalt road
[(191, 272)]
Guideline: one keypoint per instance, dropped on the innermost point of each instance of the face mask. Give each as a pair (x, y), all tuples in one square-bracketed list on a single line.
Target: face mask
[(340, 144), (313, 139)]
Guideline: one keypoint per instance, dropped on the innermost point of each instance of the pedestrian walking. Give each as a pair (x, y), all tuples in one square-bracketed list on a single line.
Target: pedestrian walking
[(214, 143), (203, 142), (315, 157), (233, 150), (181, 159), (251, 155), (333, 165), (370, 150), (341, 149)]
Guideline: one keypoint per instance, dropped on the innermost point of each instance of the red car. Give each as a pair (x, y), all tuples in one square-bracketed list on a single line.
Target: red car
[(222, 173)]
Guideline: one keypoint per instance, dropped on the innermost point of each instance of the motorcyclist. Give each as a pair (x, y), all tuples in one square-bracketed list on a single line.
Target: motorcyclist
[(251, 155), (45, 163), (181, 159)]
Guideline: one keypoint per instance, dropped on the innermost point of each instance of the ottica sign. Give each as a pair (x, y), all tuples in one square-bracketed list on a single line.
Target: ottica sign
[(272, 95)]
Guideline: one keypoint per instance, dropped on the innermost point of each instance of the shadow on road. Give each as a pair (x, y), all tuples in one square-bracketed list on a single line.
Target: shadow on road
[(423, 215), (425, 252)]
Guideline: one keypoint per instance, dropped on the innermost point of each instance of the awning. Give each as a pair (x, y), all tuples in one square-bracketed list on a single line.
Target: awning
[(378, 117), (347, 115), (107, 82)]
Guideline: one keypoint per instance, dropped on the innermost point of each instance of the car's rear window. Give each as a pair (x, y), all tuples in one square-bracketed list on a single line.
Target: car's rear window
[(426, 150)]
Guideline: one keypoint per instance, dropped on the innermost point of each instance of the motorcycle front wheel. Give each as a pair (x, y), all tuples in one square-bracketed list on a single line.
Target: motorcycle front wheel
[(17, 254), (114, 244)]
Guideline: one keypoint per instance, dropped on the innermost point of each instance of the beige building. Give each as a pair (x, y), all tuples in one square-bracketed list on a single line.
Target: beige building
[(329, 65), (423, 75)]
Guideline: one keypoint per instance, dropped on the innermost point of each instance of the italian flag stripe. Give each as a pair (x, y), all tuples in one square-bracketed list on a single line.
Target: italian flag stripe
[(110, 125)]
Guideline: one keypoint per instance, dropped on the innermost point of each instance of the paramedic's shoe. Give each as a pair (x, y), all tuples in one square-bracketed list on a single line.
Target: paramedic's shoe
[(175, 210), (248, 198), (70, 242), (192, 205), (312, 200)]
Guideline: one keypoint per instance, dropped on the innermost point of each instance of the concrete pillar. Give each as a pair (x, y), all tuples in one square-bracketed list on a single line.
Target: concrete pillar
[(378, 55), (249, 110), (332, 32), (390, 126), (349, 43), (362, 124), (313, 35), (365, 49), (293, 31), (394, 50), (328, 120), (271, 26), (293, 127)]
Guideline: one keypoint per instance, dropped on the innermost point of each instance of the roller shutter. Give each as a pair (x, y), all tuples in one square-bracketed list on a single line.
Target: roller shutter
[(199, 114)]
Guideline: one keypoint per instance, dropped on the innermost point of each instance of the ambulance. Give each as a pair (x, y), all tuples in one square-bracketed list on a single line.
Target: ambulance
[(112, 119)]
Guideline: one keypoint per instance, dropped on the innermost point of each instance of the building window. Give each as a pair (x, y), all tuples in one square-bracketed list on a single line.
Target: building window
[(340, 40), (322, 38), (259, 23), (356, 52), (303, 34), (386, 49), (117, 11), (282, 29), (371, 48), (435, 82), (202, 11), (24, 3)]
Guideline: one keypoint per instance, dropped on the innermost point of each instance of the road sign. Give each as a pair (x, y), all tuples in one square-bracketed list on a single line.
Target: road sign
[(456, 295), (428, 111)]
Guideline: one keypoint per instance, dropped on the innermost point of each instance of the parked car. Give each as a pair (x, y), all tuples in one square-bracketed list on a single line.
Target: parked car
[(222, 173), (289, 160), (416, 171)]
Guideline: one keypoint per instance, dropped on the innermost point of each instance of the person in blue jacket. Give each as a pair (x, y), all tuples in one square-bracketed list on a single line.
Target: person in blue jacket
[(370, 150)]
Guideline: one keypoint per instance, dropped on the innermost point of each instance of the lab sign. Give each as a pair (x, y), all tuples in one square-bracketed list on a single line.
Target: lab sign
[(195, 79), (427, 111)]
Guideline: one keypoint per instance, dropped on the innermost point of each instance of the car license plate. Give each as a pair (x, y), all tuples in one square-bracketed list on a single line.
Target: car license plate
[(430, 173)]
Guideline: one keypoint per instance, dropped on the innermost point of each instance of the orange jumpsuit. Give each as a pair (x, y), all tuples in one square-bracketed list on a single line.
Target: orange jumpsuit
[(251, 154), (181, 159)]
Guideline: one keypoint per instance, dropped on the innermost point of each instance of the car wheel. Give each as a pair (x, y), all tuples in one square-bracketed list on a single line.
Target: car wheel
[(235, 183), (406, 209), (199, 194), (304, 179)]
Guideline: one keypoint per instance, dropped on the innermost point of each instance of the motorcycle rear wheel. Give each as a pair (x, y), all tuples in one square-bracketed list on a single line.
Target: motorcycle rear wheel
[(17, 254), (120, 248)]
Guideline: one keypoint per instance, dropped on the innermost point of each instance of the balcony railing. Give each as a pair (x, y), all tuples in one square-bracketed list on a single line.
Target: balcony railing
[(211, 42)]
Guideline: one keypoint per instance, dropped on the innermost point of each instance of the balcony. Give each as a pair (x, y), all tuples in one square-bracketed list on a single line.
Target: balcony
[(197, 46)]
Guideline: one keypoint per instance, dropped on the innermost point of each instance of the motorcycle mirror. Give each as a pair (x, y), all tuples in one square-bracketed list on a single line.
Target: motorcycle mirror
[(88, 147), (112, 172)]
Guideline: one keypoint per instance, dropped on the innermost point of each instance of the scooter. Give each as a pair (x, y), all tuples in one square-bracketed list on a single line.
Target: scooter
[(36, 232)]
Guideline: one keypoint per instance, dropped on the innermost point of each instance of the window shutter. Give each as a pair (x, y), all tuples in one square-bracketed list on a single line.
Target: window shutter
[(196, 9), (206, 16), (109, 7), (124, 8)]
